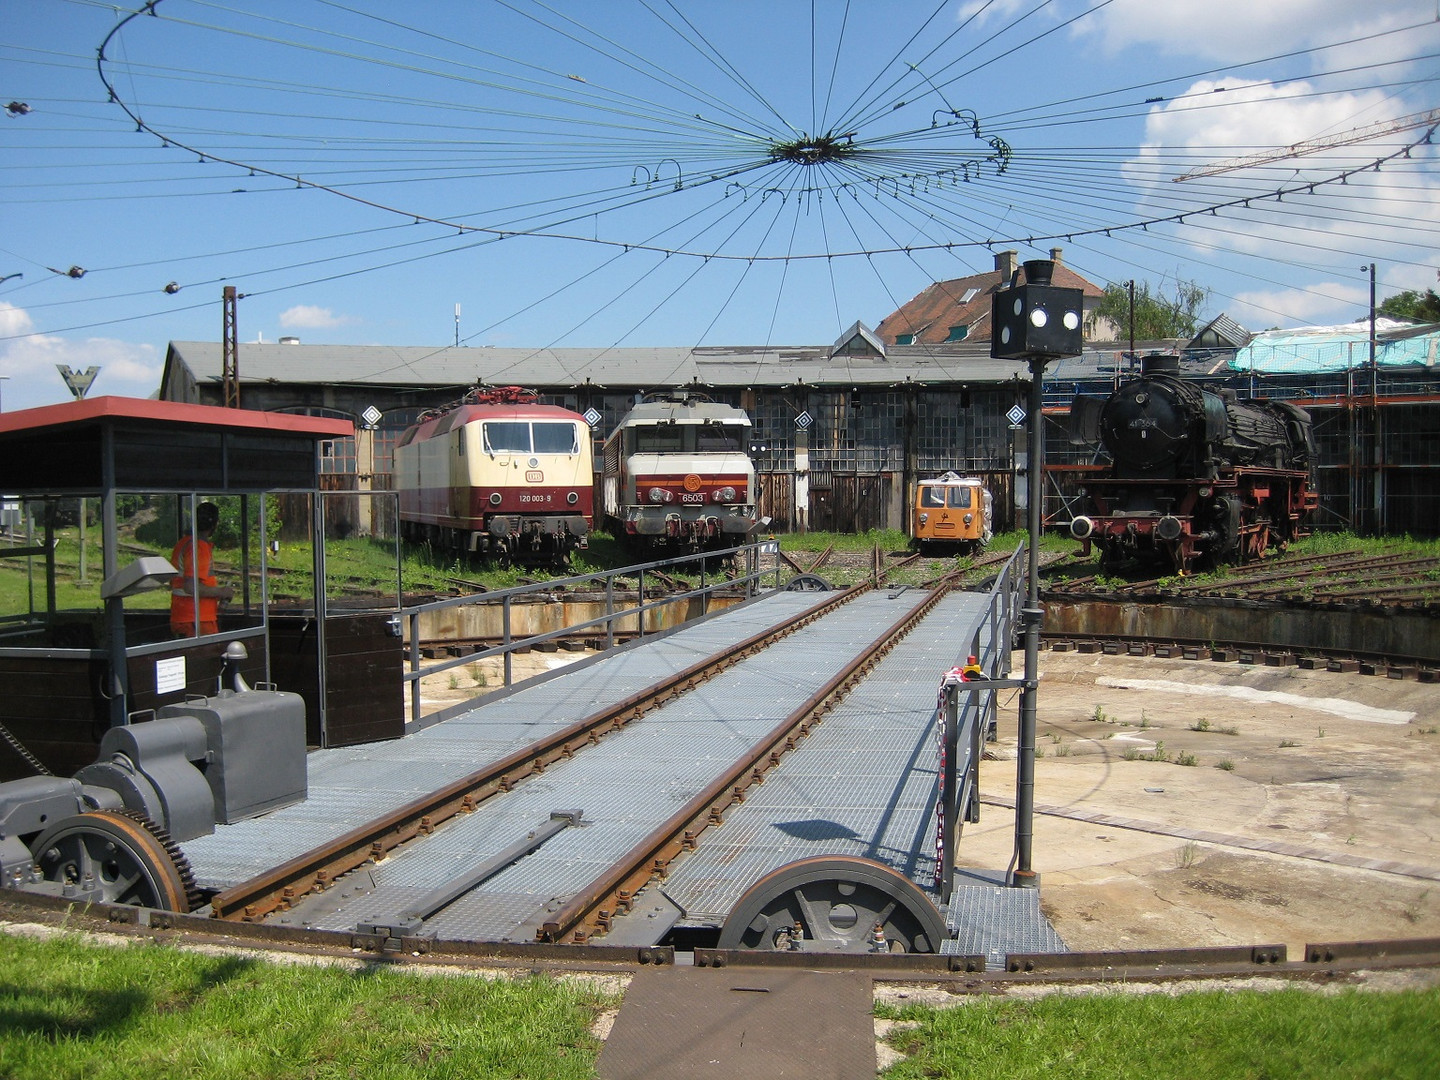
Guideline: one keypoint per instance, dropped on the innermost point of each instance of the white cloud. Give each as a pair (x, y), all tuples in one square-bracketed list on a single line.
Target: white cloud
[(29, 365), (1231, 30), (310, 317), (1331, 230), (1326, 304)]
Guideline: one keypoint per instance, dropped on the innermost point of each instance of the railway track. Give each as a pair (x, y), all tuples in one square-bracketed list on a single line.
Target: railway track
[(1385, 666), (316, 870), (333, 884), (1322, 962), (1344, 579)]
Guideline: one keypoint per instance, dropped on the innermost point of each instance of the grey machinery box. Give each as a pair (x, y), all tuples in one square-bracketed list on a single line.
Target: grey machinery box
[(256, 741)]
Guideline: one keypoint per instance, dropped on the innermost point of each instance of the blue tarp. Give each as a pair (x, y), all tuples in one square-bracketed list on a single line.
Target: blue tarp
[(1337, 348)]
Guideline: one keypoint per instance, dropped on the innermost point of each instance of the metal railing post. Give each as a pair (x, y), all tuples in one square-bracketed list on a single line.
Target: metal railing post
[(415, 666), (505, 631), (610, 610), (948, 786)]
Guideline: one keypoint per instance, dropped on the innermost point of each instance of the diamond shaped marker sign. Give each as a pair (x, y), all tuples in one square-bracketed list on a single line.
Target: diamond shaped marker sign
[(592, 416), (804, 420), (371, 416), (1016, 416)]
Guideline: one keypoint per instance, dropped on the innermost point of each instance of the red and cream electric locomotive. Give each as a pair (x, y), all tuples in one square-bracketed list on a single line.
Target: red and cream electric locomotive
[(497, 474)]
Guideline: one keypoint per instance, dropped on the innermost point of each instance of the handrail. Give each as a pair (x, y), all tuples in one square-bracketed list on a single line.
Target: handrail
[(965, 716), (603, 579)]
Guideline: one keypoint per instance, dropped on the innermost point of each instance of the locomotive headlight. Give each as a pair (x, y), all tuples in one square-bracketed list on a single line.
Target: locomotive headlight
[(969, 519), (725, 494), (1206, 492), (572, 498), (494, 498), (660, 495), (924, 518)]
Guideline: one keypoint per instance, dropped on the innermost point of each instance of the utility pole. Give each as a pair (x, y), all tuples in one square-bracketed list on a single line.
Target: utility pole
[(230, 350), (1374, 382), (1377, 473)]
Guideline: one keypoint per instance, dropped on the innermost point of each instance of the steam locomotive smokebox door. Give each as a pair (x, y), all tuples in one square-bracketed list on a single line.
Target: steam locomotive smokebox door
[(257, 750)]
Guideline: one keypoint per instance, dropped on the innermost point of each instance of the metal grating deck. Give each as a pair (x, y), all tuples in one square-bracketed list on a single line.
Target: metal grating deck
[(354, 784), (993, 920), (631, 782), (864, 783)]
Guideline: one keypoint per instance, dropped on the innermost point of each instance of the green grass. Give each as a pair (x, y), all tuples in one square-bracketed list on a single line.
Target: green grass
[(71, 1009), (359, 566), (888, 540), (1217, 1035)]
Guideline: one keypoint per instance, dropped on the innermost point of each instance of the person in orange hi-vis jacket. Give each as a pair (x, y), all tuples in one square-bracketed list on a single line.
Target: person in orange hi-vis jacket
[(193, 550)]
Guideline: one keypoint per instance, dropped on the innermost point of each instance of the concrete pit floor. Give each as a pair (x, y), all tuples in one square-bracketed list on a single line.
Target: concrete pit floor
[(1262, 805)]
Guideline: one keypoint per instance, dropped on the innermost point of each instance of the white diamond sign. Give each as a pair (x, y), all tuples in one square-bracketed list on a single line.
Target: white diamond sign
[(592, 416), (1016, 416), (371, 416), (804, 420)]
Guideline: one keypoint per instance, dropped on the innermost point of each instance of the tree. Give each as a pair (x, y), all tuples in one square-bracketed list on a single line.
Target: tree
[(1412, 304), (1156, 316)]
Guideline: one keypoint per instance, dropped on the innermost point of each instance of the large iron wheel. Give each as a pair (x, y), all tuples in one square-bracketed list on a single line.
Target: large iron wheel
[(116, 857), (834, 903)]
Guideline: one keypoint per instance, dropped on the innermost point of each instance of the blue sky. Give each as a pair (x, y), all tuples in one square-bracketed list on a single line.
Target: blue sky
[(677, 173)]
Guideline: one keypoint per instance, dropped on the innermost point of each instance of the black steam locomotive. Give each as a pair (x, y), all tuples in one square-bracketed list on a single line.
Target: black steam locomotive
[(1196, 476)]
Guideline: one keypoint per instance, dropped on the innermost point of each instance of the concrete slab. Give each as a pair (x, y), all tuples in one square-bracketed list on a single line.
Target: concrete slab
[(680, 1023)]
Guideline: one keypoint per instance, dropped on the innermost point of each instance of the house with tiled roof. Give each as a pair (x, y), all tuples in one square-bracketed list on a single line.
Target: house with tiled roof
[(959, 310)]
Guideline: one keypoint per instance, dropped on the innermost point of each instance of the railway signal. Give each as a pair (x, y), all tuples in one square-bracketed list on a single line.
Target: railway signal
[(1038, 322)]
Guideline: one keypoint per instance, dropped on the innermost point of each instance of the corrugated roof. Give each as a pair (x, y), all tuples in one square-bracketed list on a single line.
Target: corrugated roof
[(1224, 330), (411, 367)]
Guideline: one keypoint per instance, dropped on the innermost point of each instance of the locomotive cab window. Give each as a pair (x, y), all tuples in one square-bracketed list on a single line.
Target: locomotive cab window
[(659, 439), (959, 498), (523, 437), (932, 497), (720, 438), (555, 438), (506, 435)]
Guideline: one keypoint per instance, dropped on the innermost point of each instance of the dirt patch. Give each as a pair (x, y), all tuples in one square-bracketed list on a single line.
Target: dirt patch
[(1241, 804), (478, 679)]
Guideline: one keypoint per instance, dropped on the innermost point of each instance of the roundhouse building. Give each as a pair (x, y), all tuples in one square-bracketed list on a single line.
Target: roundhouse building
[(839, 432), (842, 432)]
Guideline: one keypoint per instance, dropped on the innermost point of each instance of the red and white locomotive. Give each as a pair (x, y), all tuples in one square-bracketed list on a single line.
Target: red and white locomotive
[(677, 474), (498, 474)]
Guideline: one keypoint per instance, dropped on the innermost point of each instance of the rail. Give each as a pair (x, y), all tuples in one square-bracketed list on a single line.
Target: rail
[(317, 869), (591, 910), (751, 555)]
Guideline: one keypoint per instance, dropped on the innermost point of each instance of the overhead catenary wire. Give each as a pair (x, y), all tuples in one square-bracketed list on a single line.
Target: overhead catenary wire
[(912, 211)]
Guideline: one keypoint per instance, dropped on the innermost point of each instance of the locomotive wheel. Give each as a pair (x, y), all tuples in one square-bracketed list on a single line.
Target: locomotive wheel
[(117, 857), (834, 903)]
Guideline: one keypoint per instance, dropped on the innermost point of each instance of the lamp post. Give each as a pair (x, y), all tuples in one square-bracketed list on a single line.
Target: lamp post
[(1036, 322)]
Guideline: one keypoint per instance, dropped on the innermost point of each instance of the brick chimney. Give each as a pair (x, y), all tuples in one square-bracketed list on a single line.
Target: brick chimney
[(1005, 262), (1055, 255)]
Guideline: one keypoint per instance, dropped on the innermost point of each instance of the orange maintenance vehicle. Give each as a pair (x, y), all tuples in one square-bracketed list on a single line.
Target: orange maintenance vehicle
[(952, 512)]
